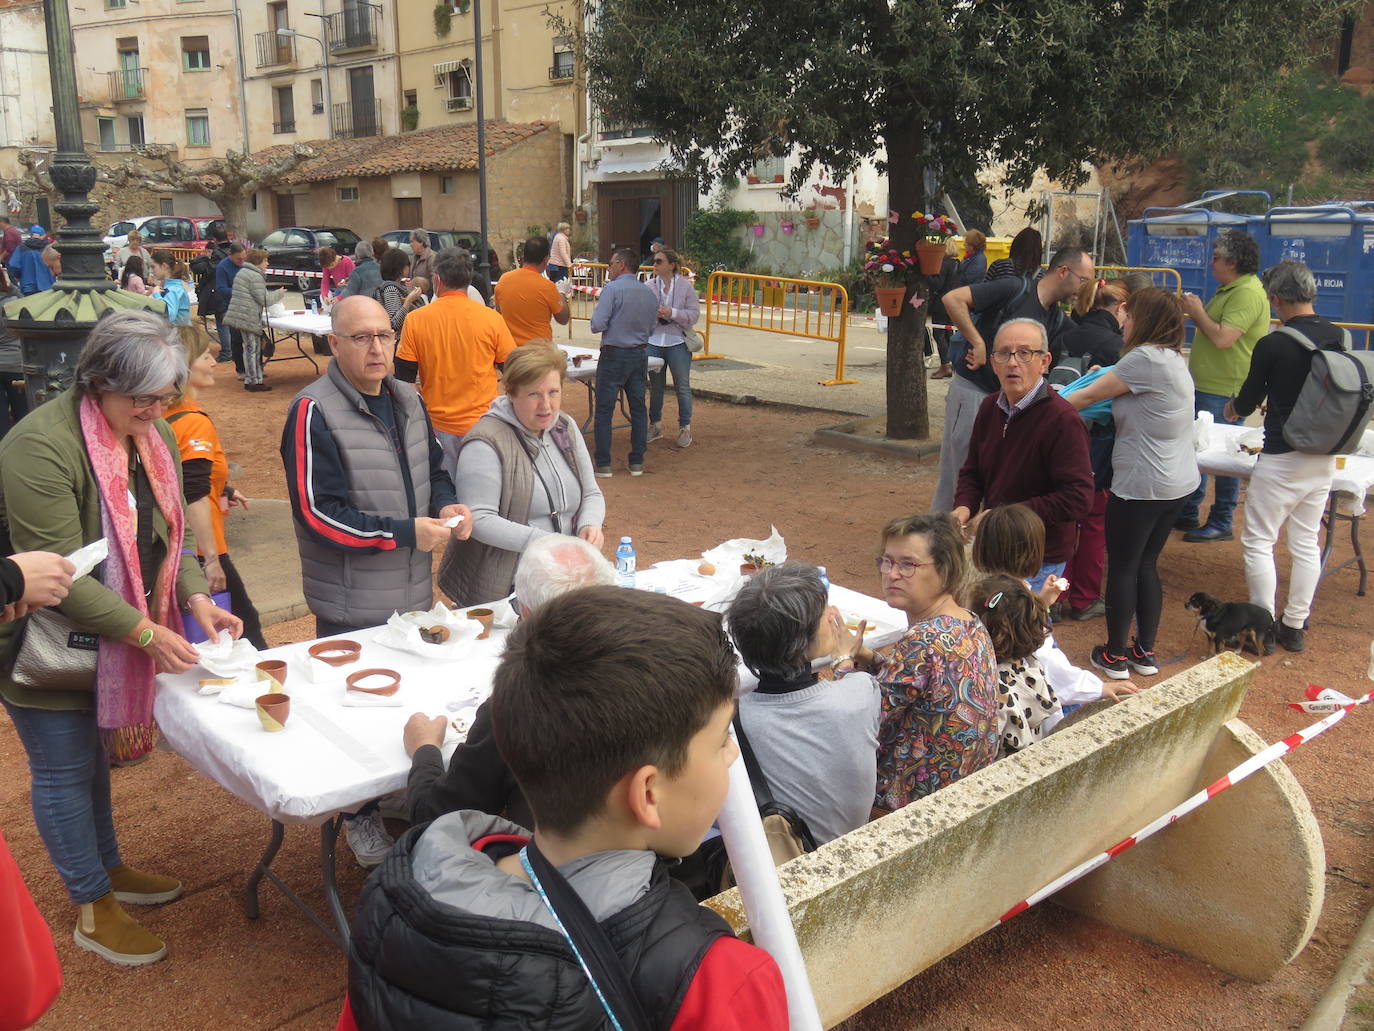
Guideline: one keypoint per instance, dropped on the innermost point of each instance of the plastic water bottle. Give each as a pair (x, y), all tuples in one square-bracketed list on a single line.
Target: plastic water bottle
[(625, 563)]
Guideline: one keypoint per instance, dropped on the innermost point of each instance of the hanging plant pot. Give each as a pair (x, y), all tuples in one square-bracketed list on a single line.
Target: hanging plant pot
[(788, 227), (758, 229), (890, 299), (931, 256), (580, 215), (813, 221)]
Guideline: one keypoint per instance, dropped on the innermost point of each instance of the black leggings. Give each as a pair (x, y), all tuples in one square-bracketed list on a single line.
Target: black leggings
[(1136, 534)]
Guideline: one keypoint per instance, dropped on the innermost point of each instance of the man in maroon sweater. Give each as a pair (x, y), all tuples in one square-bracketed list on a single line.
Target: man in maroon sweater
[(1029, 446)]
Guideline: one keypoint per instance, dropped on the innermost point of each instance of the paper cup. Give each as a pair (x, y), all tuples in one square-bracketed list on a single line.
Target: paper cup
[(272, 711)]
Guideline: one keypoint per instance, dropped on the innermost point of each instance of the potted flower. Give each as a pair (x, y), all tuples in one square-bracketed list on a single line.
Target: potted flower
[(757, 228), (812, 218), (787, 225), (888, 269), (932, 231)]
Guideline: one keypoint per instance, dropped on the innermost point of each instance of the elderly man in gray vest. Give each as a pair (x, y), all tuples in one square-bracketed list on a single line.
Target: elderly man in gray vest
[(366, 480), (370, 498)]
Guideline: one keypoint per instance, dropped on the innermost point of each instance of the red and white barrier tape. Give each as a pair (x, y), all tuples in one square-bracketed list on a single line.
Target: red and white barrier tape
[(1235, 776), (292, 273)]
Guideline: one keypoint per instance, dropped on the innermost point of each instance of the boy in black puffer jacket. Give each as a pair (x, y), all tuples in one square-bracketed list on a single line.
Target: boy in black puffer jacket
[(612, 708)]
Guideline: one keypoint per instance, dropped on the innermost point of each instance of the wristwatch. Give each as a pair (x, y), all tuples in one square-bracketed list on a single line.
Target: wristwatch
[(145, 638)]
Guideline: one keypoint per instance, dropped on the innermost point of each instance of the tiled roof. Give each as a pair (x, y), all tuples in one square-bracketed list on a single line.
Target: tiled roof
[(428, 150)]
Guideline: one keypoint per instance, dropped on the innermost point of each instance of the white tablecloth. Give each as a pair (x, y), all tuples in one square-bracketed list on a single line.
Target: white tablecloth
[(586, 373), (331, 758), (1224, 457), (301, 322)]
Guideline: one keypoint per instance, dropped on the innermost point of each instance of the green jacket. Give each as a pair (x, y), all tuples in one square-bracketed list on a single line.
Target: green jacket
[(49, 501)]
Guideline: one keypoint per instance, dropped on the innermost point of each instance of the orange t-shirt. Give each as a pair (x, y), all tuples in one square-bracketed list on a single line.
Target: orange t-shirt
[(527, 301), (457, 344), (197, 438)]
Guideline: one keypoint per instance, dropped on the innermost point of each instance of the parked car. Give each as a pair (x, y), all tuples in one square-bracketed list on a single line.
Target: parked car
[(295, 247), (439, 239), (162, 231)]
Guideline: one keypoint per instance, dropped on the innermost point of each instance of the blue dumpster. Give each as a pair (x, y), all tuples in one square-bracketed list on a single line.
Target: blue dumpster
[(1337, 244), (1182, 239)]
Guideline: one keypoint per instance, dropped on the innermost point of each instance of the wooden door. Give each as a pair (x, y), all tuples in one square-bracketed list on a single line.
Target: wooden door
[(408, 214), (286, 209), (623, 228)]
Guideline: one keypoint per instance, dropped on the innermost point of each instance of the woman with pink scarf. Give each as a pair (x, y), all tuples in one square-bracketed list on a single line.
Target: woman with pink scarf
[(99, 462)]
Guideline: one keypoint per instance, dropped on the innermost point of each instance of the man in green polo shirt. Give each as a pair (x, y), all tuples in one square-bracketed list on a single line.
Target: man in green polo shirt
[(1227, 330)]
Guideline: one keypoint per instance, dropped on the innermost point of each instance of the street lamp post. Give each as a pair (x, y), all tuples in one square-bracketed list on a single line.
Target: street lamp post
[(483, 263), (324, 61), (52, 325)]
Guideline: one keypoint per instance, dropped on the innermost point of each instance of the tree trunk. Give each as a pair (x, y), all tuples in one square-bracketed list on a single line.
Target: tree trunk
[(234, 208), (908, 415)]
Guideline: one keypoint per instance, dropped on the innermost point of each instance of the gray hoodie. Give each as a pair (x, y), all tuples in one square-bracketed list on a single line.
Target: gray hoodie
[(445, 865), (479, 487)]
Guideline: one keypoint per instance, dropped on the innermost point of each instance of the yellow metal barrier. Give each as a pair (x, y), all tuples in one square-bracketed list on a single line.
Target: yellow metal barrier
[(794, 307), (186, 254), (1367, 328), (1156, 274), (588, 277)]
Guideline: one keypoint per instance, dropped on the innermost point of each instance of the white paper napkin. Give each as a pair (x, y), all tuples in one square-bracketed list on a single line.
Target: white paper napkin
[(402, 632), (88, 557), (730, 555), (227, 657), (363, 700)]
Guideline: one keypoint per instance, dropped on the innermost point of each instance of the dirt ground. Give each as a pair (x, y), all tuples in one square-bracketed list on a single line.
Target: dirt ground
[(750, 467)]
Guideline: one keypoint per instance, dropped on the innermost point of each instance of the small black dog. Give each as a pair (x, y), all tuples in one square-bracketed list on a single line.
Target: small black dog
[(1230, 624)]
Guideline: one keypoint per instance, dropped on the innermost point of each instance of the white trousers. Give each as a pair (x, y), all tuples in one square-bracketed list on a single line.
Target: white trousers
[(1286, 490)]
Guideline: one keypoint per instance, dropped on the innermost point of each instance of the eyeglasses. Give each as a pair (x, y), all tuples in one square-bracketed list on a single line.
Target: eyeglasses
[(149, 400), (1077, 275), (365, 339), (906, 569), (1024, 355)]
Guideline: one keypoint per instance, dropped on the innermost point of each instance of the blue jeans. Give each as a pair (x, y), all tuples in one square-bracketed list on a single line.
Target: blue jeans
[(1048, 570), (71, 795), (1228, 487), (678, 360), (617, 369)]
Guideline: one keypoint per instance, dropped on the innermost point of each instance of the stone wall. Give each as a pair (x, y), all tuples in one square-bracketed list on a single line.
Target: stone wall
[(803, 251), (878, 905), (525, 188)]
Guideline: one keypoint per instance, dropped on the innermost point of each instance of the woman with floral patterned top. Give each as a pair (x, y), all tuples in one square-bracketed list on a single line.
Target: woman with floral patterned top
[(939, 684)]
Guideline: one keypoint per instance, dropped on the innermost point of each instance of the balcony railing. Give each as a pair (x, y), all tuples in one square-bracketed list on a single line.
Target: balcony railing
[(561, 71), (128, 84), (357, 119), (280, 127), (458, 103), (623, 132), (354, 28), (274, 49)]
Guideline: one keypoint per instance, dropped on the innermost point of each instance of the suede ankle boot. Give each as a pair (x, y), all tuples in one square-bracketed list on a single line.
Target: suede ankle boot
[(142, 889), (105, 929)]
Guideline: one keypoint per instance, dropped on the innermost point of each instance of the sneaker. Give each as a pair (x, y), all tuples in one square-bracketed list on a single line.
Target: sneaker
[(603, 472), (368, 838), (256, 388), (636, 470), (1207, 534), (1093, 610), (684, 437), (655, 431), (1142, 660), (1293, 638), (1115, 666), (142, 889)]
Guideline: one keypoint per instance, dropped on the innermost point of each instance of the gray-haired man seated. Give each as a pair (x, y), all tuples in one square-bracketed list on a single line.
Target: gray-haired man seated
[(477, 777)]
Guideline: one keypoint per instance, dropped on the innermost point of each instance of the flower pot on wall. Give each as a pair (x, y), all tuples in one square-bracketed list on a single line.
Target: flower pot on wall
[(931, 256), (890, 299), (758, 229), (580, 216), (752, 180), (788, 227), (813, 221)]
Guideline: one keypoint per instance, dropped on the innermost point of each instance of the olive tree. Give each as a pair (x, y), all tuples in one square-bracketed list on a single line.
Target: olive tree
[(948, 88)]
